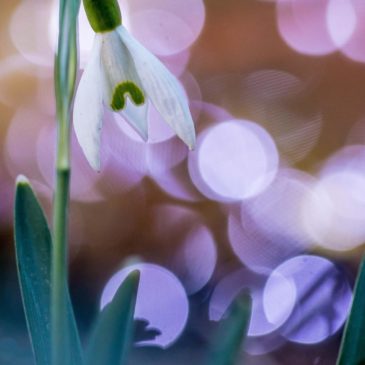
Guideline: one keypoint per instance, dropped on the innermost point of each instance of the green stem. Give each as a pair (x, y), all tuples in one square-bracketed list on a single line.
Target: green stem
[(59, 253), (65, 73)]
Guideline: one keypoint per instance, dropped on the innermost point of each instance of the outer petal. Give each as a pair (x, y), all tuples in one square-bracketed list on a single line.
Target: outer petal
[(88, 108), (162, 88)]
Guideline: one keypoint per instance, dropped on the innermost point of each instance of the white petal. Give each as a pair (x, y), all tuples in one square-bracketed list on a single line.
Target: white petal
[(163, 89), (136, 116), (88, 108)]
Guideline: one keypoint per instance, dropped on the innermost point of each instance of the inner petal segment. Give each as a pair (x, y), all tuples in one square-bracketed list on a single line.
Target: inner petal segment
[(123, 89)]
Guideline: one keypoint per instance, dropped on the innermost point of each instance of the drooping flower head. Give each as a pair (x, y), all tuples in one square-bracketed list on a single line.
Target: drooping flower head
[(124, 76)]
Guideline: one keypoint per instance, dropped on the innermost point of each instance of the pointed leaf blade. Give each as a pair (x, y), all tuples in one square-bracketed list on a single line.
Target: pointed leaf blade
[(352, 350), (113, 332), (32, 242), (232, 332), (33, 246)]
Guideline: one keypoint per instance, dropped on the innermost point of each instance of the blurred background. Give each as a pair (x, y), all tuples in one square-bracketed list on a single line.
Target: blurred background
[(271, 200)]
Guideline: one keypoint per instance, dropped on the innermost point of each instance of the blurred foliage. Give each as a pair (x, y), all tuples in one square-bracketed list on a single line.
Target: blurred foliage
[(352, 350)]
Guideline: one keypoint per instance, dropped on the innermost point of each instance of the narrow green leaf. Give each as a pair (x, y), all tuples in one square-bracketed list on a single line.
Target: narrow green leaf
[(33, 246), (352, 350), (66, 58), (113, 333), (231, 332)]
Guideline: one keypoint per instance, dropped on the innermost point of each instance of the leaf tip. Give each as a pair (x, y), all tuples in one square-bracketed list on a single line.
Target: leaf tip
[(245, 297), (131, 283), (134, 277), (21, 180)]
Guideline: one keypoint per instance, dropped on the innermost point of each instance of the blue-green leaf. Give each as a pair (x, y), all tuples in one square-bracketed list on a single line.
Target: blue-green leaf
[(66, 58), (231, 332), (113, 333), (352, 350), (33, 246)]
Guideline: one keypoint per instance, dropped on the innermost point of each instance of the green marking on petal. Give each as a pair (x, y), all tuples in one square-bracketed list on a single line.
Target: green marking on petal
[(119, 95)]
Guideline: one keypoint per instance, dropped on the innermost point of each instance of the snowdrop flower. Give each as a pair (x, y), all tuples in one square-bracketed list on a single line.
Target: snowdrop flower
[(124, 76)]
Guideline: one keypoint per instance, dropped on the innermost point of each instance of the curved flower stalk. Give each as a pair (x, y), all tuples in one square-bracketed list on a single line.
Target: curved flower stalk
[(124, 76)]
